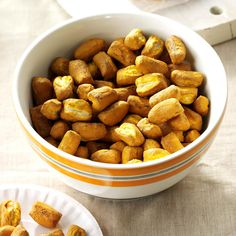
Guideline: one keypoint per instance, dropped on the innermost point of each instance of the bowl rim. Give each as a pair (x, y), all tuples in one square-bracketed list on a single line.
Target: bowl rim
[(26, 124)]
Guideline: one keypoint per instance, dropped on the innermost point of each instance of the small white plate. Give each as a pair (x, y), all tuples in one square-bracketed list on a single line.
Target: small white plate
[(72, 211)]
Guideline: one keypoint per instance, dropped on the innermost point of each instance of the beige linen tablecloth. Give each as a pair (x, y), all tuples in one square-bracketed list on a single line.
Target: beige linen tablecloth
[(204, 203)]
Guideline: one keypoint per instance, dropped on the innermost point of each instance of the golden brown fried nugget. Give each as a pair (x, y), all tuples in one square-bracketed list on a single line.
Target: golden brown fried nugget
[(127, 75), (63, 87), (149, 84), (130, 134), (90, 131), (123, 93), (51, 109), (40, 123), (138, 106), (130, 153), (10, 213), (83, 90), (171, 143), (76, 110), (147, 65), (154, 154), (148, 129), (121, 53), (106, 65), (187, 78), (45, 215), (176, 49), (60, 66), (102, 97), (89, 48), (170, 92), (114, 113), (201, 105), (42, 90), (107, 156), (165, 110), (153, 47), (70, 142), (79, 70), (135, 39)]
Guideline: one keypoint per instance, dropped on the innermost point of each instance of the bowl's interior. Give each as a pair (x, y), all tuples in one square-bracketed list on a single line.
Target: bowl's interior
[(63, 40)]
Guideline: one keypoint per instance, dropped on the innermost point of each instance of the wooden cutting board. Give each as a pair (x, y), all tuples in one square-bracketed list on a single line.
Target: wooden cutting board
[(214, 20)]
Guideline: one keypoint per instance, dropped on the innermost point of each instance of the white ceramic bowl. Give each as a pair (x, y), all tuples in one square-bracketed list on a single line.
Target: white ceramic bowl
[(109, 180)]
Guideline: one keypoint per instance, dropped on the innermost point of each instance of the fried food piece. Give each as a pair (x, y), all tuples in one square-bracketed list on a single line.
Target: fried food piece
[(107, 156), (60, 66), (55, 232), (187, 95), (89, 48), (6, 230), (187, 78), (70, 142), (201, 105), (138, 106), (165, 128), (134, 161), (119, 146), (123, 93), (149, 84), (45, 215), (40, 123), (154, 154), (150, 143), (153, 47), (95, 146), (121, 53), (179, 122), (135, 39), (147, 65), (176, 49), (63, 87), (51, 109), (59, 129), (52, 141), (42, 90), (83, 90), (170, 92), (111, 135), (132, 118), (171, 143), (79, 70), (102, 83), (20, 231), (106, 65), (194, 119), (114, 113), (127, 75), (76, 110), (75, 230), (165, 110), (148, 129), (130, 134), (191, 135), (179, 134), (94, 71), (185, 65), (102, 97), (130, 153), (10, 213), (82, 152), (90, 131)]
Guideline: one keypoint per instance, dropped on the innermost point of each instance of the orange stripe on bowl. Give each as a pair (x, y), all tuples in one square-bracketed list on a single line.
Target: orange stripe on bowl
[(121, 172), (123, 183)]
